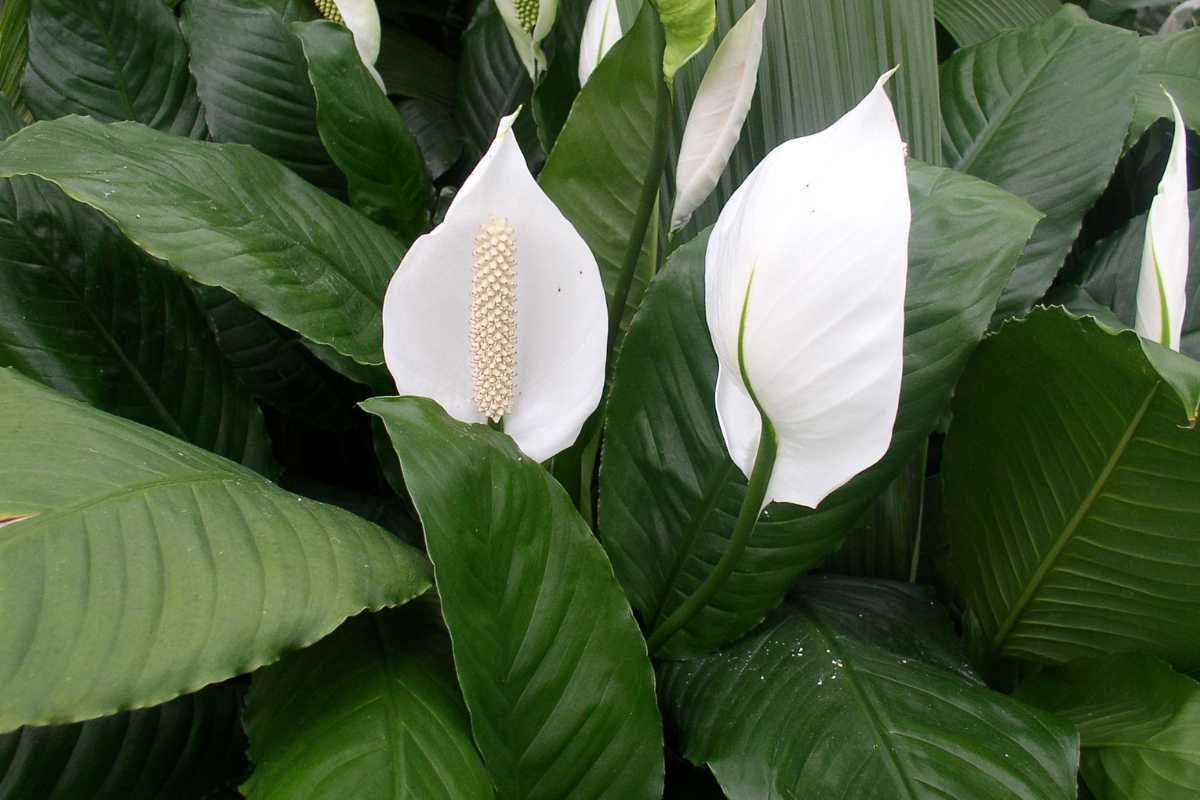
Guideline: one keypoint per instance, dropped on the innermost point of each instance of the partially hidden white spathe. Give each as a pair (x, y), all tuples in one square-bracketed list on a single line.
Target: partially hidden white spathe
[(601, 30), (528, 23), (561, 315), (812, 251), (1162, 285), (362, 18), (718, 112)]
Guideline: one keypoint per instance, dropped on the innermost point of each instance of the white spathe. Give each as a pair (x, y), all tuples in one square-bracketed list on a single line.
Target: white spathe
[(362, 18), (601, 30), (528, 23), (560, 309), (1162, 285), (718, 112), (804, 289)]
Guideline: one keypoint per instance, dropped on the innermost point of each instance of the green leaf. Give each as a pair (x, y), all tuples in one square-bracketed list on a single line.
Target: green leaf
[(1071, 476), (1110, 271), (140, 567), (819, 59), (1170, 62), (112, 60), (856, 689), (974, 21), (669, 494), (492, 82), (228, 216), (14, 47), (1138, 720), (688, 25), (412, 67), (364, 134), (370, 712), (1044, 78), (604, 170), (181, 749), (436, 131), (251, 75), (84, 311), (551, 663), (559, 85)]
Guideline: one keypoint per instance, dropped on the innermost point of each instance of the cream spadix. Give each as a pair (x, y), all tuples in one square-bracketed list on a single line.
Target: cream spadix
[(718, 112), (362, 18), (804, 285), (1162, 285), (601, 30), (528, 23), (499, 313)]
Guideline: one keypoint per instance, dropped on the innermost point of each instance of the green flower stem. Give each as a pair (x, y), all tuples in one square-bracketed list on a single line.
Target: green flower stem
[(752, 505)]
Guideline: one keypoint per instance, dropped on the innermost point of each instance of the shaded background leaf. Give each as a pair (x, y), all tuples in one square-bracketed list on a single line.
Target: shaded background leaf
[(974, 21)]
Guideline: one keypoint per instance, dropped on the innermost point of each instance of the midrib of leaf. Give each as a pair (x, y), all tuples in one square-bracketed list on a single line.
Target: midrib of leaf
[(110, 47), (394, 716), (707, 505), (1064, 538), (866, 703), (1001, 117)]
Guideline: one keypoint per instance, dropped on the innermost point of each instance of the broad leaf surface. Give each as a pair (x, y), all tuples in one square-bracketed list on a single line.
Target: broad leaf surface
[(819, 59), (364, 134), (112, 60), (857, 689), (669, 494), (251, 75), (228, 216), (1072, 494), (412, 67), (141, 567), (1044, 79), (371, 712), (1138, 720), (180, 749), (1170, 62), (14, 47), (886, 542), (492, 82), (552, 665), (688, 24), (436, 131), (973, 21), (1109, 274), (604, 170), (86, 312)]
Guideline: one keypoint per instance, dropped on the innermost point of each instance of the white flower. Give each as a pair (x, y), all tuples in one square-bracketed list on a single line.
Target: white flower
[(1162, 286), (804, 290), (601, 30), (499, 313), (528, 23), (715, 121), (362, 18)]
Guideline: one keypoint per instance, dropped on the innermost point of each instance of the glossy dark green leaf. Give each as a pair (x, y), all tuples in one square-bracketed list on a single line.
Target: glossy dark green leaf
[(857, 689), (251, 74), (14, 47), (141, 567), (1110, 271), (412, 67), (112, 60), (492, 82), (1138, 720), (1170, 62), (1043, 79), (552, 666), (1072, 494), (86, 312), (669, 493), (973, 21), (229, 216), (819, 59), (371, 712), (604, 171), (559, 86), (436, 131), (178, 750), (364, 134)]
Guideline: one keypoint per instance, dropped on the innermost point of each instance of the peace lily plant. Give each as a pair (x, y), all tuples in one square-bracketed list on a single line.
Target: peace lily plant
[(529, 22), (1162, 286), (362, 18), (601, 30)]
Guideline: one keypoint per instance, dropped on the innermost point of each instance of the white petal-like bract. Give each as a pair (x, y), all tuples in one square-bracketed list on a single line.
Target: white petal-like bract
[(362, 18), (804, 288), (601, 30), (718, 112), (1162, 285), (560, 313), (528, 23)]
